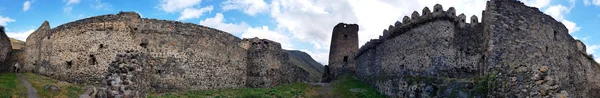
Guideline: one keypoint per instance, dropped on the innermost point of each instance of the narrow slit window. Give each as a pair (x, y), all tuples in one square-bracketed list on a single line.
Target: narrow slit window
[(345, 58)]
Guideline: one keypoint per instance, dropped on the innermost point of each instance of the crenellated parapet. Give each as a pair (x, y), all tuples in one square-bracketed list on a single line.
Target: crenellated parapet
[(416, 20), (515, 50)]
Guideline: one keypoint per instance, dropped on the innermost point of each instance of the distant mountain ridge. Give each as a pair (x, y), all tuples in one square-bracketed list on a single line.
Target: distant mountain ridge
[(306, 62)]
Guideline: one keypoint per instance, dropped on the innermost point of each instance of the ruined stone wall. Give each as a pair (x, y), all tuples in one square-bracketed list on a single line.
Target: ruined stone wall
[(5, 49), (155, 55), (33, 44), (516, 51), (432, 45), (344, 45), (268, 65), (530, 50)]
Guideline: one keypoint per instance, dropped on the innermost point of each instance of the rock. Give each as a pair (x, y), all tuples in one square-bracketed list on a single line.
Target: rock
[(128, 94), (562, 94), (84, 96), (51, 88), (543, 68), (536, 77)]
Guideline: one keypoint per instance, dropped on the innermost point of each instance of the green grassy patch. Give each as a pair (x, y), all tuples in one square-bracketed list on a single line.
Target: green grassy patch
[(67, 90), (346, 83), (313, 73), (8, 83), (294, 90)]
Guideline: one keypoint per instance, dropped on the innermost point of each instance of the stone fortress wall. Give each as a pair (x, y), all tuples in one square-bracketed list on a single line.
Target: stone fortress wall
[(5, 51), (515, 51), (139, 54)]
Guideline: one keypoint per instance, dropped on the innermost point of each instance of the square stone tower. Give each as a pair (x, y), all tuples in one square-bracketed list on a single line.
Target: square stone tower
[(344, 45)]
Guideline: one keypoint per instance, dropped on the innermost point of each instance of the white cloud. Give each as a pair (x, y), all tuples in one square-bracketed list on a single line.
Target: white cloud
[(67, 9), (100, 5), (250, 7), (592, 49), (219, 23), (5, 20), (311, 21), (558, 12), (596, 2), (571, 26), (20, 35), (537, 3), (586, 2), (70, 2), (264, 33), (190, 13), (176, 5), (69, 6), (26, 5)]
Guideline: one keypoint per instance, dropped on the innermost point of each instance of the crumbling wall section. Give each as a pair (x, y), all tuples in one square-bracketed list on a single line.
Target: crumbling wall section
[(268, 65), (531, 50)]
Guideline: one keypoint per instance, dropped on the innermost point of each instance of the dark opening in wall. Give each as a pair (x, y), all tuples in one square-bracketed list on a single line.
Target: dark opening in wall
[(345, 58), (555, 35), (345, 36), (144, 44), (92, 60), (69, 63), (101, 46)]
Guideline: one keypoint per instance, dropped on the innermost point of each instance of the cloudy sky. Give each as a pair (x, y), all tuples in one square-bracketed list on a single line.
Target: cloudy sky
[(297, 24)]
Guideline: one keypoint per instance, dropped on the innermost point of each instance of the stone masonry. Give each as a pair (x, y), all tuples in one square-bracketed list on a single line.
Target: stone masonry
[(515, 51), (344, 45), (126, 55), (5, 49), (267, 64)]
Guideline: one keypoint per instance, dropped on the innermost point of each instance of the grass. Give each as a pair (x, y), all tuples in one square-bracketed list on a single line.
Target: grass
[(67, 90), (339, 89), (342, 87), (293, 90), (313, 73), (10, 85)]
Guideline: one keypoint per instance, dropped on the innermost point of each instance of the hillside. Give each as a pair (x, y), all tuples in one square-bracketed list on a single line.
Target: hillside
[(306, 62), (17, 44)]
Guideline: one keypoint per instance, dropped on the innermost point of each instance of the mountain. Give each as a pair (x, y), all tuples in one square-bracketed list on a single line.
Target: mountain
[(17, 44), (304, 61)]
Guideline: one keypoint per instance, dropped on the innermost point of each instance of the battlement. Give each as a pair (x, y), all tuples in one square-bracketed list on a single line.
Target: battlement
[(416, 20)]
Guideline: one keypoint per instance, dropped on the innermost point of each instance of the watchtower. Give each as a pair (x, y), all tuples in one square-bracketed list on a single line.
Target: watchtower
[(344, 45)]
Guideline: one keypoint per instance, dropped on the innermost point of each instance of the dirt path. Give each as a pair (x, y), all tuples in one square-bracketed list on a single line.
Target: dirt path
[(325, 89), (31, 92)]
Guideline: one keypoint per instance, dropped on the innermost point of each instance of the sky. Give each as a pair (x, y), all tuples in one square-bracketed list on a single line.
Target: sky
[(304, 25)]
